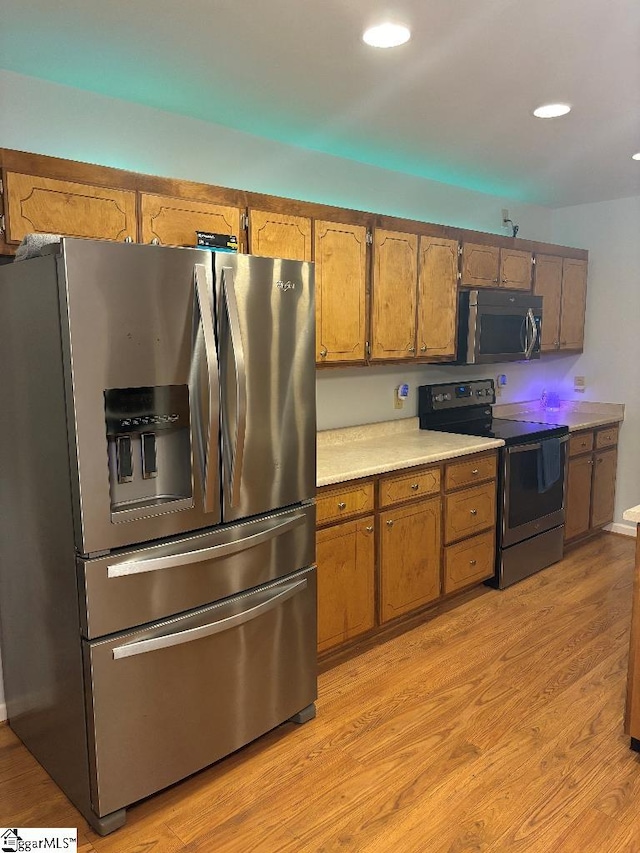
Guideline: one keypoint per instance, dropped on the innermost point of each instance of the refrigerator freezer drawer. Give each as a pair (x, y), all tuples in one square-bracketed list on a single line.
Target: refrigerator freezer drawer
[(173, 698), (151, 583)]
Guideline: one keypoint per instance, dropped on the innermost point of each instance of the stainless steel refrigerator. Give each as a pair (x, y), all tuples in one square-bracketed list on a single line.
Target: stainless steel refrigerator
[(157, 464)]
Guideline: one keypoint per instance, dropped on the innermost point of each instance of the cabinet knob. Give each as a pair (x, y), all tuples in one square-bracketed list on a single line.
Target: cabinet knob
[(415, 486), (423, 348), (474, 512), (475, 472), (412, 348), (155, 242), (505, 280), (369, 529), (342, 505), (323, 352), (390, 523), (495, 280), (128, 239), (472, 562)]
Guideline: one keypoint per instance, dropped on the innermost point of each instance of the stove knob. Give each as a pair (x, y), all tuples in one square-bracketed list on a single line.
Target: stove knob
[(438, 398), (479, 392), (447, 396)]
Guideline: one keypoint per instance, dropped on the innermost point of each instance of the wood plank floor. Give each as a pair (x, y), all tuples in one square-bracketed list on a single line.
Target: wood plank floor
[(494, 727)]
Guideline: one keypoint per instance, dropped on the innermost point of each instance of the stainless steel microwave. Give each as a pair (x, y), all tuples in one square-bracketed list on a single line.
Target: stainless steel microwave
[(498, 325)]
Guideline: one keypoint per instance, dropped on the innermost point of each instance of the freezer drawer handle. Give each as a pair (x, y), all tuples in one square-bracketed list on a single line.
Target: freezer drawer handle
[(205, 311), (143, 646), (172, 561)]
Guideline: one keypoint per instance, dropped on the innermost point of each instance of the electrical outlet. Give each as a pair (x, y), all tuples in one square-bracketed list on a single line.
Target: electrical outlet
[(397, 402), (579, 384)]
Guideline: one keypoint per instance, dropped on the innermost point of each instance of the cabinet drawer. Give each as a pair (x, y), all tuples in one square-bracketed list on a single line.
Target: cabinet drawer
[(607, 437), (581, 443), (344, 502), (471, 471), (470, 561), (469, 511), (395, 490)]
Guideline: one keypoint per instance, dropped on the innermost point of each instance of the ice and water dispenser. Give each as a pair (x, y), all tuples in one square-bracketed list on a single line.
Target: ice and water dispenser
[(149, 449)]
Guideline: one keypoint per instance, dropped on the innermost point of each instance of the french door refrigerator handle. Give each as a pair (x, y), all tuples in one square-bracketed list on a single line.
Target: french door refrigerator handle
[(235, 459), (205, 312), (178, 638), (214, 552)]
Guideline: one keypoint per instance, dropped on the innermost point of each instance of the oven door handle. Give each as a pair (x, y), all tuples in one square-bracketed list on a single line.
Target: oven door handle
[(534, 333), (522, 448)]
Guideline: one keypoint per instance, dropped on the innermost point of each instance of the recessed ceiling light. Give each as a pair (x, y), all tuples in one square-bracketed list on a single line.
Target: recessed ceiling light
[(636, 156), (386, 35), (552, 110)]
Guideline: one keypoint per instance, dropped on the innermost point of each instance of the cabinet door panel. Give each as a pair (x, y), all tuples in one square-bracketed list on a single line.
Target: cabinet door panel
[(574, 303), (47, 205), (548, 284), (395, 271), (340, 253), (174, 221), (275, 235), (578, 500), (515, 269), (480, 265), (410, 547), (603, 497), (437, 297), (345, 558)]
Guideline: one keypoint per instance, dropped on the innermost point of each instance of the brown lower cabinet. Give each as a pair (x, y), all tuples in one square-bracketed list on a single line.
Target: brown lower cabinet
[(392, 545), (346, 581), (591, 481)]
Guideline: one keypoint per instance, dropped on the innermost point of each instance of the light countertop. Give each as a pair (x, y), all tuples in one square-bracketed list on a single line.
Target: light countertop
[(632, 514), (362, 451), (576, 414)]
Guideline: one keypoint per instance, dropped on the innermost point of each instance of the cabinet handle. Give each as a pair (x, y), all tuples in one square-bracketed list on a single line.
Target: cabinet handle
[(475, 472), (423, 348), (472, 562), (342, 505), (474, 512), (415, 486), (323, 352), (369, 529), (584, 444), (390, 523)]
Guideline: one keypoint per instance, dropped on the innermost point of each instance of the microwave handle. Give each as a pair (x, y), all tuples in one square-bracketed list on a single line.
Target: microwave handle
[(534, 333)]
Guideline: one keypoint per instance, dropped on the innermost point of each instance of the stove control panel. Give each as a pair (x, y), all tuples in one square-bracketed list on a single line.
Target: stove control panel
[(455, 395)]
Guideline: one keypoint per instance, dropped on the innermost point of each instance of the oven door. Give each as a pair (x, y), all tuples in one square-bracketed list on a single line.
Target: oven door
[(525, 510)]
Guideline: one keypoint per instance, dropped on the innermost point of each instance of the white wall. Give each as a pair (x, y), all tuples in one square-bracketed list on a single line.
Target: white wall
[(611, 358)]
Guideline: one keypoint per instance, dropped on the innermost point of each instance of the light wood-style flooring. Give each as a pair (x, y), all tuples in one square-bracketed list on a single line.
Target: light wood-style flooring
[(494, 727)]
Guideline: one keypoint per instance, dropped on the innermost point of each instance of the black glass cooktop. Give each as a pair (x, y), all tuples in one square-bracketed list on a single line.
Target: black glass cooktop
[(511, 432)]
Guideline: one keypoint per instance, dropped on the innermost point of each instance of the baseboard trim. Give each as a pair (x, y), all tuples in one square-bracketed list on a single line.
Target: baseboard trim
[(621, 527)]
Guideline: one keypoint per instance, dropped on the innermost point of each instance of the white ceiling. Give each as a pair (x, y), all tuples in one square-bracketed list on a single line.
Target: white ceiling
[(454, 104)]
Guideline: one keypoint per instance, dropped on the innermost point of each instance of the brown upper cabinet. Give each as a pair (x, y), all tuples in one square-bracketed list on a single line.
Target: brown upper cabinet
[(490, 266), (562, 282), (386, 287), (414, 302), (340, 254), (34, 204), (437, 297), (394, 297), (277, 235), (174, 221)]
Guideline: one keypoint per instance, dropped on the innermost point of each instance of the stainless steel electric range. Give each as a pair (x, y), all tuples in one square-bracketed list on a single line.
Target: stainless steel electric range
[(531, 478)]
